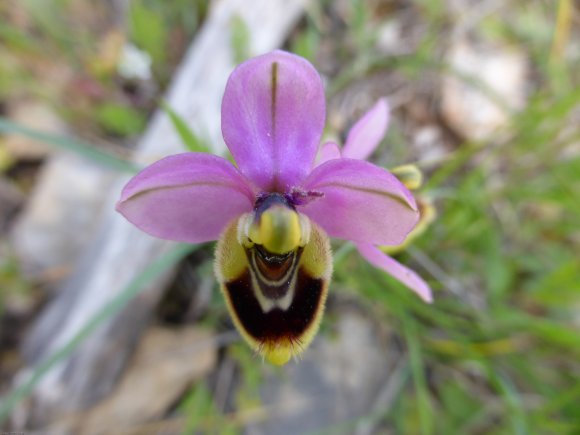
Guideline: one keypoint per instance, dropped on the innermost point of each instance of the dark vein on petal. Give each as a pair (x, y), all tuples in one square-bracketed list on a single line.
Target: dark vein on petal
[(274, 85), (179, 186), (274, 95), (397, 198)]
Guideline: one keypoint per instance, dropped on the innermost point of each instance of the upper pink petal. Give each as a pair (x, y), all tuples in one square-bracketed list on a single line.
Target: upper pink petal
[(364, 137), (328, 151), (273, 113), (360, 202), (408, 277), (187, 197)]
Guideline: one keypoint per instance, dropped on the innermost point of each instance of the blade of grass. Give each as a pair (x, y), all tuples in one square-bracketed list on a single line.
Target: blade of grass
[(240, 39), (513, 401), (111, 308), (565, 398), (89, 151), (562, 30), (190, 139), (418, 372)]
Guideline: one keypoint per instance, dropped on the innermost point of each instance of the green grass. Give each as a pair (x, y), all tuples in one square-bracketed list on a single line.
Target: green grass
[(86, 150)]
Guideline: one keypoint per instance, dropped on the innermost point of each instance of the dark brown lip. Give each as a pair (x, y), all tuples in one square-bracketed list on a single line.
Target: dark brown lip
[(276, 325)]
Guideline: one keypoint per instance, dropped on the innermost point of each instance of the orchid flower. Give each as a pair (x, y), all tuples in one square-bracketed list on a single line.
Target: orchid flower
[(273, 213)]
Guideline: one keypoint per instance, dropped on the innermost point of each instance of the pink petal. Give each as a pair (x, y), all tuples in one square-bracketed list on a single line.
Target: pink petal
[(187, 197), (328, 151), (382, 261), (367, 133), (360, 202), (273, 114)]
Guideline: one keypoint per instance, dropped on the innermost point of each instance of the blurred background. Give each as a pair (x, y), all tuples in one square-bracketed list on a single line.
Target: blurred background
[(104, 330)]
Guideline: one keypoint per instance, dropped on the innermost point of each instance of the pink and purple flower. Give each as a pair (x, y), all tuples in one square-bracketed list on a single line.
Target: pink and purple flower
[(274, 211)]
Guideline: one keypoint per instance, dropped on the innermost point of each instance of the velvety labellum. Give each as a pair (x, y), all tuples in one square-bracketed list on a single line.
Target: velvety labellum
[(276, 300)]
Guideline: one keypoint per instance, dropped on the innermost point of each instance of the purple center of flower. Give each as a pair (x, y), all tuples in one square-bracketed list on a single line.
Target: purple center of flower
[(266, 200), (296, 197)]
